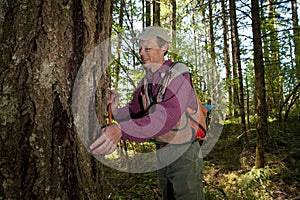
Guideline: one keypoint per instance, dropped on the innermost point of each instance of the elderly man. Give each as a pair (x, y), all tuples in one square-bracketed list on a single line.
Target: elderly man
[(159, 116)]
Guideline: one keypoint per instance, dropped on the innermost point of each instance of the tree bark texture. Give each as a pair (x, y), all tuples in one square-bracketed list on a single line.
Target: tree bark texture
[(260, 92), (43, 44)]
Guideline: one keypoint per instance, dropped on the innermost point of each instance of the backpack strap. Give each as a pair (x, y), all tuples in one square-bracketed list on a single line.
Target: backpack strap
[(190, 123), (176, 69)]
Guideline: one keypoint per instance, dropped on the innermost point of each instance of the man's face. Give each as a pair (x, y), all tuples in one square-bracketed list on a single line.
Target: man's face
[(151, 53)]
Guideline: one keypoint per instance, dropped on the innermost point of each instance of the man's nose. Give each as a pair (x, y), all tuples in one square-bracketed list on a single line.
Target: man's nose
[(142, 52)]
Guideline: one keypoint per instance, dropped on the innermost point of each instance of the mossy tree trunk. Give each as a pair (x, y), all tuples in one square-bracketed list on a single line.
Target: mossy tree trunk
[(43, 44)]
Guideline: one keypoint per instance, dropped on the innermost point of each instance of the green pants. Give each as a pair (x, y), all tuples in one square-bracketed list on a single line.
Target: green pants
[(182, 179)]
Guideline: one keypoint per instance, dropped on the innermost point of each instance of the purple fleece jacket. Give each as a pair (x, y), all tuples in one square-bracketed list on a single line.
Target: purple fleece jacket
[(164, 115)]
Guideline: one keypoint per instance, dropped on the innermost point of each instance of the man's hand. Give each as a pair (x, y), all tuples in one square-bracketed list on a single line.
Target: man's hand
[(108, 141)]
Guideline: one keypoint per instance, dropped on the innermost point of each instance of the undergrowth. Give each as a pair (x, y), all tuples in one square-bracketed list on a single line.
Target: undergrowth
[(229, 173)]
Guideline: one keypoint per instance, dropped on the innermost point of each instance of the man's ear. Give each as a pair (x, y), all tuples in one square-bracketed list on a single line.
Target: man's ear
[(165, 47)]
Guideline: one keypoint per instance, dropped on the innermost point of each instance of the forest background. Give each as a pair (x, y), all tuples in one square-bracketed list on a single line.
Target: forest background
[(245, 61)]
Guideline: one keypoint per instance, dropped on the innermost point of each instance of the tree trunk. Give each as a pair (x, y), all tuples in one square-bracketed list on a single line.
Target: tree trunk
[(272, 59), (173, 23), (206, 85), (215, 90), (43, 44), (262, 115), (156, 12), (117, 66), (237, 63), (226, 56), (148, 13), (234, 38), (296, 37)]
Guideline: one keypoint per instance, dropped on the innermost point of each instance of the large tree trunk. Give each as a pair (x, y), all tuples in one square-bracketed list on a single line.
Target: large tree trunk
[(43, 44), (260, 92)]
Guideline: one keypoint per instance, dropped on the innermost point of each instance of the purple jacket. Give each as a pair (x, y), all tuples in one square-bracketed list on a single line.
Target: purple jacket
[(164, 115)]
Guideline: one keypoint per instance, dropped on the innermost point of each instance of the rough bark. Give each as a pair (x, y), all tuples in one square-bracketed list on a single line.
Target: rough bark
[(43, 44)]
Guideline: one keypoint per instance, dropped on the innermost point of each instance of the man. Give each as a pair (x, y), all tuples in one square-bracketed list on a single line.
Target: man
[(157, 116)]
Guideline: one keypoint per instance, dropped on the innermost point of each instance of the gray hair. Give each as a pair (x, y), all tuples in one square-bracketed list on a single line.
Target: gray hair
[(161, 42)]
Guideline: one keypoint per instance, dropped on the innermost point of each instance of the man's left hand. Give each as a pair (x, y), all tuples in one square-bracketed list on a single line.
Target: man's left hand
[(108, 141)]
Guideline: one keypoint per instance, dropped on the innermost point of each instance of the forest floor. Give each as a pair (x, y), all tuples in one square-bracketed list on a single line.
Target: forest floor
[(229, 168)]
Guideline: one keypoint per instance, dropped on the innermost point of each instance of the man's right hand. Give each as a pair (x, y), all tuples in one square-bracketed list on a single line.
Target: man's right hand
[(108, 141)]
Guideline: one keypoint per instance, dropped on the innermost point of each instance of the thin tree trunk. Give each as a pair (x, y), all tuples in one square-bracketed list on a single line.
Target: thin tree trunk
[(43, 44), (272, 60), (248, 102), (296, 36), (156, 12), (119, 43), (215, 91), (234, 41), (262, 115), (207, 85), (237, 63), (226, 56), (148, 13), (143, 13), (173, 23)]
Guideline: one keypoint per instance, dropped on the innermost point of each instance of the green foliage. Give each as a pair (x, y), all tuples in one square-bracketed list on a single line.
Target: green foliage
[(229, 167), (251, 185)]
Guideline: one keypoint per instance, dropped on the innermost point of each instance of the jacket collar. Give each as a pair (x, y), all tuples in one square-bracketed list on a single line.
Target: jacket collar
[(162, 70)]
